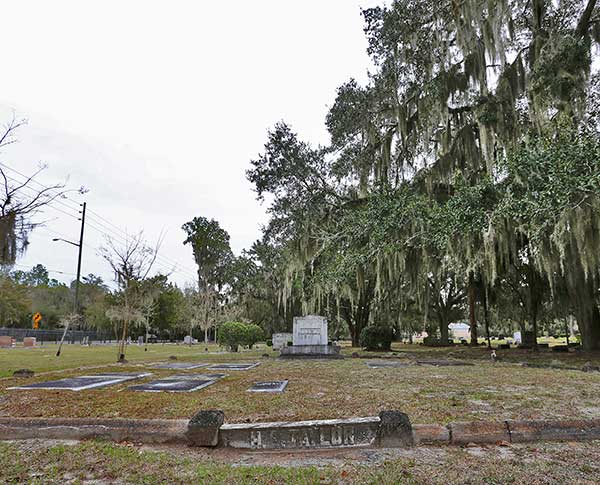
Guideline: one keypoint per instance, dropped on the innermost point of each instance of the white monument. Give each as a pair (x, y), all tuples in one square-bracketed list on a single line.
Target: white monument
[(310, 339), (310, 330), (281, 340)]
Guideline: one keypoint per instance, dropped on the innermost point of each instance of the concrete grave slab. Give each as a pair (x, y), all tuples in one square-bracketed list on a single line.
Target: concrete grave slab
[(85, 382), (173, 385), (382, 364), (234, 366), (126, 376), (187, 377), (179, 365), (74, 383), (269, 386)]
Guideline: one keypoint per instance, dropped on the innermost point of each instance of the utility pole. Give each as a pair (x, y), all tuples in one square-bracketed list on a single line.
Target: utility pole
[(76, 304), (79, 260)]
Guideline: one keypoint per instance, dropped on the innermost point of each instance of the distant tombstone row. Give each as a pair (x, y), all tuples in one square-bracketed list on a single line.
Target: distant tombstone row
[(8, 341)]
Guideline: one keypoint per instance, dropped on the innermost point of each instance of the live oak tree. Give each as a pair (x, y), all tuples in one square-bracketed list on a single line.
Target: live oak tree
[(214, 258), (468, 152)]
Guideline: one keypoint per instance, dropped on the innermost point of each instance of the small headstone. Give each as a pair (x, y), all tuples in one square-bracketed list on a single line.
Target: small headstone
[(172, 357), (23, 373), (517, 337), (355, 355), (141, 340), (269, 386), (29, 341), (5, 341), (281, 340)]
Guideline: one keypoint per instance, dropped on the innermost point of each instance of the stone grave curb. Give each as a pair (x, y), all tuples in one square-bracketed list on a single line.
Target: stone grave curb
[(390, 429), (149, 431)]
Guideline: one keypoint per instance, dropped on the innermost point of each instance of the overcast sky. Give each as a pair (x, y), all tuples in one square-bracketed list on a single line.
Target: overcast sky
[(158, 107)]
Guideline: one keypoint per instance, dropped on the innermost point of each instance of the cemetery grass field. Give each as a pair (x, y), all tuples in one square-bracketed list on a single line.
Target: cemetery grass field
[(317, 389), (36, 461)]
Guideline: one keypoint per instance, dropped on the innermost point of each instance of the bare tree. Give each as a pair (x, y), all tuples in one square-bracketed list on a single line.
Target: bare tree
[(131, 263), (202, 309), (148, 305), (21, 201)]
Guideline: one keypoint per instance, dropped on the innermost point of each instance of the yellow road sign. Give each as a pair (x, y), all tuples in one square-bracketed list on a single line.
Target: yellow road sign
[(37, 318)]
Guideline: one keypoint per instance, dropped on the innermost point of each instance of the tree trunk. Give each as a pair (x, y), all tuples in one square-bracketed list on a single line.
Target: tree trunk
[(588, 316), (486, 319), (122, 343), (472, 321), (534, 326), (354, 335), (444, 332)]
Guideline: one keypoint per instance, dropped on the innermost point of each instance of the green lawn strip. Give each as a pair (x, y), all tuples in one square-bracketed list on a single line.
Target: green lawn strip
[(96, 460), (543, 463), (43, 358)]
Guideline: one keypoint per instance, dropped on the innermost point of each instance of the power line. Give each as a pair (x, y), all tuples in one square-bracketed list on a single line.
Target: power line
[(104, 229), (124, 239), (49, 270)]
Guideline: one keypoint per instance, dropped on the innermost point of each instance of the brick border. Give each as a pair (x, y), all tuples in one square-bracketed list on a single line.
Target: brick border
[(393, 430)]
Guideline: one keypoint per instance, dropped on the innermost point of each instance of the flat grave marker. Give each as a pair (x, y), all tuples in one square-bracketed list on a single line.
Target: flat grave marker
[(179, 365), (443, 363), (82, 383), (188, 377), (173, 385), (382, 364), (123, 375), (269, 386), (234, 366)]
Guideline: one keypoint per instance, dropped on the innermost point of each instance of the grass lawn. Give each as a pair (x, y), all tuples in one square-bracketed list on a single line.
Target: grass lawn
[(317, 389), (43, 358), (43, 462)]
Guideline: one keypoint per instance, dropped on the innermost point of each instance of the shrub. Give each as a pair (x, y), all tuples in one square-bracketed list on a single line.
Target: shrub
[(376, 337), (252, 334), (232, 335)]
